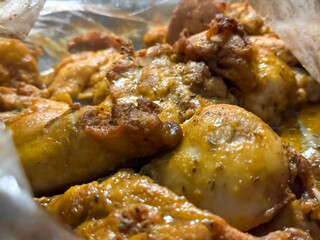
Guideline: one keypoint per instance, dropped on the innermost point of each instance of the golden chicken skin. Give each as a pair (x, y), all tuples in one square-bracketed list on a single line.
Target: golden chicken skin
[(179, 88), (302, 131), (266, 85), (247, 17), (130, 206), (108, 77), (154, 36), (303, 214), (18, 63), (231, 163), (59, 146)]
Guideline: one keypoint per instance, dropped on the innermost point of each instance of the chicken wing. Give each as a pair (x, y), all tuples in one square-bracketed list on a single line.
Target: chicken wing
[(129, 206), (230, 163), (59, 146)]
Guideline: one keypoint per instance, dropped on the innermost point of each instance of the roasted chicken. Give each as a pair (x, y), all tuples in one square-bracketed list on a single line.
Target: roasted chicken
[(169, 111), (78, 145), (230, 163), (129, 206)]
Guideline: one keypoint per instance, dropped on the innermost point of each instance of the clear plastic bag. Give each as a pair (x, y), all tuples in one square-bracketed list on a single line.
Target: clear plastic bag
[(18, 16), (297, 23), (20, 217)]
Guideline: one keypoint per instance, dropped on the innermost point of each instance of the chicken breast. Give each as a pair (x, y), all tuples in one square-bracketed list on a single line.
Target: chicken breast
[(231, 163), (129, 206)]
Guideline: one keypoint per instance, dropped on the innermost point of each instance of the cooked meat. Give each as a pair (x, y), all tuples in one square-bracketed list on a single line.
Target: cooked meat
[(83, 75), (193, 15), (20, 97), (303, 214), (273, 44), (129, 206), (303, 132), (232, 164), (179, 88), (18, 63), (94, 41), (247, 17), (267, 85), (155, 36), (276, 89), (310, 87), (225, 48), (59, 146)]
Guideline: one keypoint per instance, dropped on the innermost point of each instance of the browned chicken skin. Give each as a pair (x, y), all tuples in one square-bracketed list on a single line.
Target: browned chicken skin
[(18, 63), (129, 206), (217, 59), (79, 145)]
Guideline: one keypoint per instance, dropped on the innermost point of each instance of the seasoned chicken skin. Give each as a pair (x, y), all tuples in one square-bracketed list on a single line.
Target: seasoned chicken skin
[(267, 86), (230, 163), (59, 146), (179, 88), (129, 206), (18, 63)]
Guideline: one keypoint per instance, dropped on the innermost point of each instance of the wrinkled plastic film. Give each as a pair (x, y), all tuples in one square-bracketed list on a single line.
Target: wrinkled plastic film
[(18, 16), (62, 20), (297, 23), (20, 217)]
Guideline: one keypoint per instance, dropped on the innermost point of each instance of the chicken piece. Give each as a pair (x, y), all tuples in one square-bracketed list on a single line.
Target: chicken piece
[(83, 75), (275, 45), (20, 97), (303, 132), (225, 48), (303, 214), (310, 87), (179, 88), (94, 41), (155, 36), (193, 15), (59, 146), (129, 206), (267, 85), (276, 90), (247, 17), (18, 63), (230, 163)]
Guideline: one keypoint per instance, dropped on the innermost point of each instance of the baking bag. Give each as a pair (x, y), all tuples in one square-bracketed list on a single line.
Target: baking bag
[(20, 217)]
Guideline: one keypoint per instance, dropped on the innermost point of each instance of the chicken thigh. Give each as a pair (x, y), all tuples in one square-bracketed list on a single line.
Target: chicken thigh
[(231, 163)]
